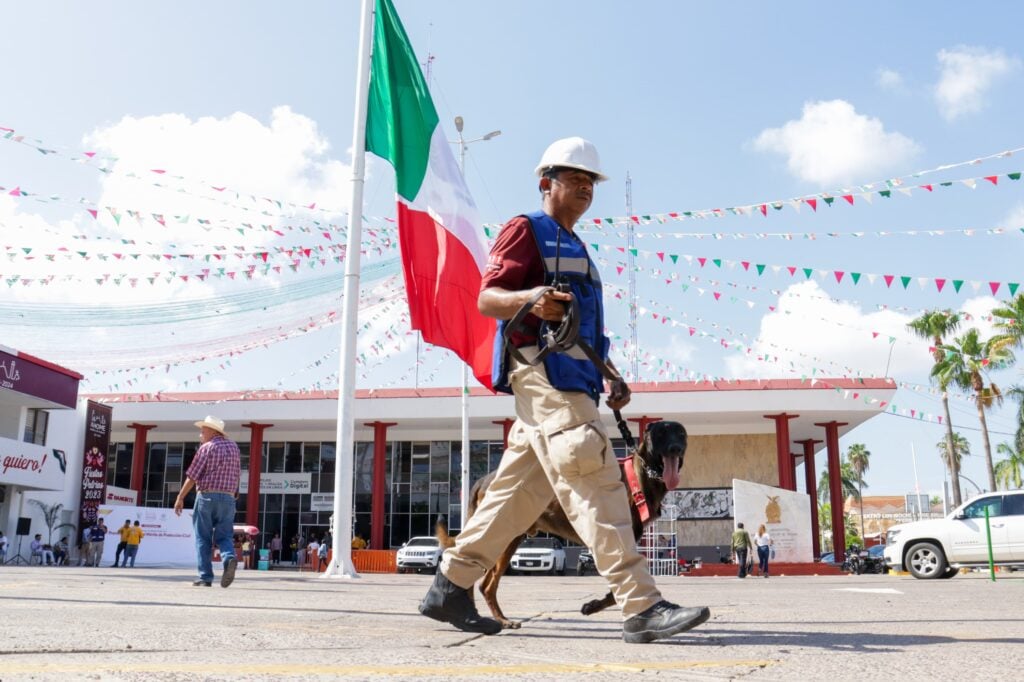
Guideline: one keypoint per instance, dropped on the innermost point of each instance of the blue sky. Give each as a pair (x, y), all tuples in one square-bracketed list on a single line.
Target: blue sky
[(702, 107)]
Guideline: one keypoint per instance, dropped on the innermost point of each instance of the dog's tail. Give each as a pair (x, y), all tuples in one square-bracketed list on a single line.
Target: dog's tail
[(441, 533)]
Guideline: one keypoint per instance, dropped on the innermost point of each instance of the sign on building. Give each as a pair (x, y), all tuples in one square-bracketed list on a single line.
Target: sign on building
[(287, 484), (117, 495), (31, 466), (94, 467)]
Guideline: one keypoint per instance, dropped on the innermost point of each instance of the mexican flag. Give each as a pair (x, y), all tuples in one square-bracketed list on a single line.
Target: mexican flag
[(443, 249)]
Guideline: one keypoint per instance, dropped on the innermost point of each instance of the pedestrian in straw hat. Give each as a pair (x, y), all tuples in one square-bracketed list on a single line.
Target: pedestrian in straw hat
[(214, 473)]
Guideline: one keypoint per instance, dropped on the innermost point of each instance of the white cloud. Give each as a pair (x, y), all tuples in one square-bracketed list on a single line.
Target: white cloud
[(1014, 218), (966, 75), (831, 143), (808, 332), (887, 79)]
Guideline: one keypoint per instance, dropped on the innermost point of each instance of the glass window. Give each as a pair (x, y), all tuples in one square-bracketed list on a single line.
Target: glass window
[(478, 460), (455, 480), (35, 425), (293, 457), (327, 451), (364, 467), (275, 457), (976, 510), (440, 451), (1013, 504), (311, 457)]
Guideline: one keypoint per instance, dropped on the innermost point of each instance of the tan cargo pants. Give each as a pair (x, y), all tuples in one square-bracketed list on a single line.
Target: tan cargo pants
[(557, 448)]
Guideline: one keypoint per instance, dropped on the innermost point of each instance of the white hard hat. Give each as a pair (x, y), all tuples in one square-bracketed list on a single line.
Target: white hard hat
[(572, 152)]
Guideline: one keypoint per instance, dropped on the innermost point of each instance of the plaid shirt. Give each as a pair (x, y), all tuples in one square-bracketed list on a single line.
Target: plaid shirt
[(217, 466)]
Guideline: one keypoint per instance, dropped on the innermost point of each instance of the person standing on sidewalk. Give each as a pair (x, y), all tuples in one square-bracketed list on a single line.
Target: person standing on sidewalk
[(741, 546), (214, 473), (122, 532), (97, 535), (763, 541), (558, 448), (131, 545)]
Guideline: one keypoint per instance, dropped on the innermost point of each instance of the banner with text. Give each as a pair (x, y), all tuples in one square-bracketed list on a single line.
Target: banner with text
[(94, 468), (785, 514), (289, 484), (31, 466), (117, 495), (168, 539)]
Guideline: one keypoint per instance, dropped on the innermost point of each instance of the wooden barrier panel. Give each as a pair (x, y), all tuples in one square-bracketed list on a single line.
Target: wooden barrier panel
[(375, 560)]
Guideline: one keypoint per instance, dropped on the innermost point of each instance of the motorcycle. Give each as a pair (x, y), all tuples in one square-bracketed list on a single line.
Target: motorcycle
[(859, 561), (585, 563)]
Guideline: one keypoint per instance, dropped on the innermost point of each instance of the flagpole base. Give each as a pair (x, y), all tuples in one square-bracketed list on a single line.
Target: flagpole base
[(341, 569)]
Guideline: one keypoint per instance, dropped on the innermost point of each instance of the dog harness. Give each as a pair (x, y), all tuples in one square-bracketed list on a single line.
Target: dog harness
[(636, 492)]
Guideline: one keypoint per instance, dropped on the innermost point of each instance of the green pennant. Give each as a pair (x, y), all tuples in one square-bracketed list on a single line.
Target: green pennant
[(905, 280), (885, 193), (646, 217), (828, 200), (596, 247), (1012, 286), (487, 232), (674, 257), (609, 220), (808, 272), (855, 276), (634, 252), (948, 183), (717, 261), (957, 283), (760, 268), (27, 249), (1014, 176)]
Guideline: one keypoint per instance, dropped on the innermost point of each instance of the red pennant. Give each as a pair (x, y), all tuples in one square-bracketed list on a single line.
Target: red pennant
[(692, 331), (792, 269), (764, 210), (888, 280), (813, 203), (661, 256), (874, 335), (927, 187), (939, 283), (717, 295), (619, 268), (849, 198), (839, 276), (994, 286), (745, 264), (92, 213), (994, 179), (702, 261)]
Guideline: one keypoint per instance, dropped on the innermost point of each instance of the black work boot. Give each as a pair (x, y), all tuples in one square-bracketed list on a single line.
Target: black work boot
[(449, 603), (664, 619)]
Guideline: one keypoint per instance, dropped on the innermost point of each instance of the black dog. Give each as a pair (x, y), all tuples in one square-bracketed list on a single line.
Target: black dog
[(657, 463)]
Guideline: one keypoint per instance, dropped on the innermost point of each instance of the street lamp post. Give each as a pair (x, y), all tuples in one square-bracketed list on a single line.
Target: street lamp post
[(464, 489)]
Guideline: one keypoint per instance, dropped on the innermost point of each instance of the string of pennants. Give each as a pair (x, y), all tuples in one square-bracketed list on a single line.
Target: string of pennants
[(904, 281), (809, 236), (846, 371), (905, 184)]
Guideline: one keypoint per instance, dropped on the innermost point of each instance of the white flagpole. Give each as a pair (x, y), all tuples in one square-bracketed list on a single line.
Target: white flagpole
[(341, 562)]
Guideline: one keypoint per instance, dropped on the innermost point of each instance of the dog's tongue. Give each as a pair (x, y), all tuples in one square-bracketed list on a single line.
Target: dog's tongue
[(670, 475)]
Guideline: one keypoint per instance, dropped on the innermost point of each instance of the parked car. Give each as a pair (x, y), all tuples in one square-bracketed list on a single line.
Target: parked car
[(422, 553), (585, 563), (539, 555), (938, 548)]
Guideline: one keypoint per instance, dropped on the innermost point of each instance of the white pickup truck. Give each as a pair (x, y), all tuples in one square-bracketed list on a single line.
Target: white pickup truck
[(938, 548)]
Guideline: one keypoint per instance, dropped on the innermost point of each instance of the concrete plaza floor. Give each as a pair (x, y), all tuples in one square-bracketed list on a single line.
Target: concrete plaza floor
[(129, 624)]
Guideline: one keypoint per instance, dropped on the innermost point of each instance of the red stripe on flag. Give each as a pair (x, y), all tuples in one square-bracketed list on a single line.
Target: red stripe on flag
[(442, 283)]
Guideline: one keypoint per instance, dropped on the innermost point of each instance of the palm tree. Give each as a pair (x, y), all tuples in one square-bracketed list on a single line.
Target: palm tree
[(1010, 471), (848, 483), (1017, 393), (967, 363), (51, 516), (859, 456), (961, 449), (934, 326), (1011, 326)]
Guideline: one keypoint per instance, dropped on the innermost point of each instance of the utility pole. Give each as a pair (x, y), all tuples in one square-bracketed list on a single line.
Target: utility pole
[(464, 488), (634, 355)]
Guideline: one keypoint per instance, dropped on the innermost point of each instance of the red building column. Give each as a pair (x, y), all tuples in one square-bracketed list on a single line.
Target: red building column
[(380, 440), (506, 426), (644, 422), (787, 477), (812, 491), (252, 499), (139, 457), (835, 487)]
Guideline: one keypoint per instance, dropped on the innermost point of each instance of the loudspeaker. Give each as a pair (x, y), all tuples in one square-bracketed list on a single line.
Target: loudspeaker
[(24, 525)]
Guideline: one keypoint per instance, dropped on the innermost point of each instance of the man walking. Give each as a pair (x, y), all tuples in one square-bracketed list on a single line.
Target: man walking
[(558, 448), (741, 546), (214, 474), (131, 544), (122, 533)]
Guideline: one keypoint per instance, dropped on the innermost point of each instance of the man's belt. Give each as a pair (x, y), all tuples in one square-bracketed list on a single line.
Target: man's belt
[(222, 492)]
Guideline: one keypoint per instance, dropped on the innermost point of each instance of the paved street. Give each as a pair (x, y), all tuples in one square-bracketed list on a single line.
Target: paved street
[(114, 624)]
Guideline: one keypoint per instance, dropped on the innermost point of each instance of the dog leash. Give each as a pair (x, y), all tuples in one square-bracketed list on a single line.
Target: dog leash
[(560, 338)]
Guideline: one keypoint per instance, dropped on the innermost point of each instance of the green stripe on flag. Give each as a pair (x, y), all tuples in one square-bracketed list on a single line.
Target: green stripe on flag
[(400, 119)]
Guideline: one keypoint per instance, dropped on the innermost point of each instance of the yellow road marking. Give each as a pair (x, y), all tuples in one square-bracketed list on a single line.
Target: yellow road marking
[(300, 669)]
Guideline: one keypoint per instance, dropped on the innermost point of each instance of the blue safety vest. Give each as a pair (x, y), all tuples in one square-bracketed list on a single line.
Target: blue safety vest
[(565, 260)]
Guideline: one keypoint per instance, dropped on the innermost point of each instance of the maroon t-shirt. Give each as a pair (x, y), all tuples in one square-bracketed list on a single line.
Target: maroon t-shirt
[(515, 264)]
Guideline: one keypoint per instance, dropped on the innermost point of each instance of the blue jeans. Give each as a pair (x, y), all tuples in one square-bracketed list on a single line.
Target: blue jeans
[(762, 558), (213, 519), (129, 553)]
